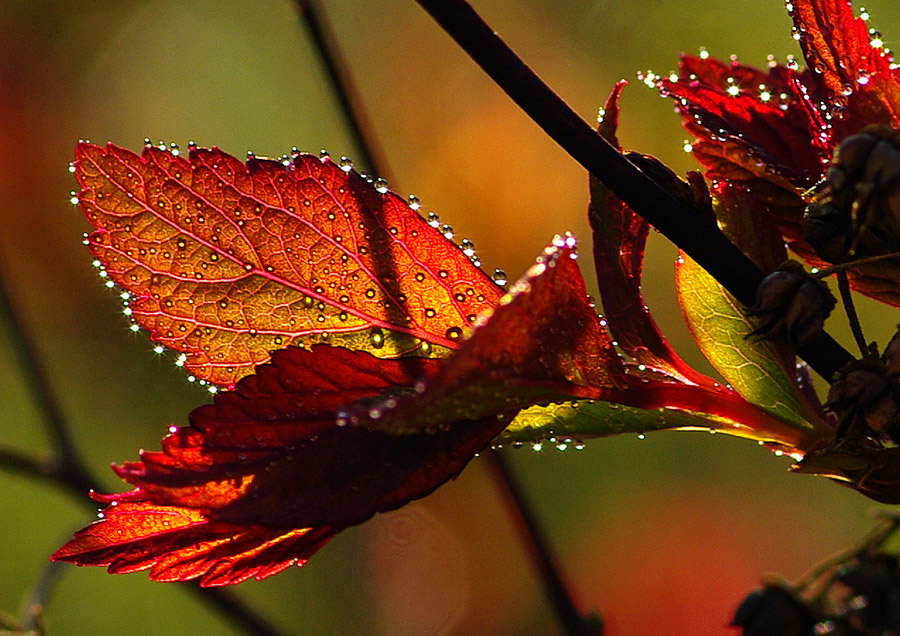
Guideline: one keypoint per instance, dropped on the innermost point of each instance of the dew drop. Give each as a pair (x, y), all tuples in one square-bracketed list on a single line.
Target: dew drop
[(414, 202), (434, 220), (467, 247), (499, 277), (454, 333), (376, 337), (447, 231), (345, 163), (381, 185)]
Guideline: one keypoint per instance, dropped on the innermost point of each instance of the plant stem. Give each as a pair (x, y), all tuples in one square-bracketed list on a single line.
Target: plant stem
[(874, 539), (66, 470), (850, 310), (869, 260), (348, 97), (71, 470), (235, 609), (682, 224), (519, 509), (567, 613)]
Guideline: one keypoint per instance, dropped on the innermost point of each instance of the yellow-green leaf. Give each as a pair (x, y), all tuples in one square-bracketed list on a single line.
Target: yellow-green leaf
[(721, 328)]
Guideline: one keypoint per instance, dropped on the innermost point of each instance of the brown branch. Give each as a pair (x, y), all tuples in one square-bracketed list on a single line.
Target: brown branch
[(685, 226)]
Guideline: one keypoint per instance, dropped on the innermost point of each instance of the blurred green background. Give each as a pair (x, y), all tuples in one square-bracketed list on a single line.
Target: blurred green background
[(662, 535)]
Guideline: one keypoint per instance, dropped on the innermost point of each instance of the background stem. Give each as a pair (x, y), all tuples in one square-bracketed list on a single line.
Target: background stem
[(539, 550), (523, 517)]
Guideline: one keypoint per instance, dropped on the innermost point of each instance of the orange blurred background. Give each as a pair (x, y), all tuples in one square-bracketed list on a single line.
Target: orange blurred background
[(662, 535)]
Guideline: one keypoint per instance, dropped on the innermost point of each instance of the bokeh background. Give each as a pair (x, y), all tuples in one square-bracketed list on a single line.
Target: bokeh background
[(662, 535)]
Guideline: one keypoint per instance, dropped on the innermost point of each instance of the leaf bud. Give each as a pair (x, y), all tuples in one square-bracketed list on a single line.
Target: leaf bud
[(791, 305), (866, 400), (891, 355), (773, 611), (857, 210)]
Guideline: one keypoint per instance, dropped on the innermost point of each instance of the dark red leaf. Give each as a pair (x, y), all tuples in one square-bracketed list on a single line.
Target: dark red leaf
[(619, 237), (543, 343), (324, 438), (772, 133)]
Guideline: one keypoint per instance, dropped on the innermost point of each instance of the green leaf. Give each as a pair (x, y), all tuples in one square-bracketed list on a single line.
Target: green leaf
[(721, 329), (593, 418)]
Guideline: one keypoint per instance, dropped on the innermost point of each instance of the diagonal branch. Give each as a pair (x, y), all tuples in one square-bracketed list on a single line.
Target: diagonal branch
[(523, 517), (681, 223)]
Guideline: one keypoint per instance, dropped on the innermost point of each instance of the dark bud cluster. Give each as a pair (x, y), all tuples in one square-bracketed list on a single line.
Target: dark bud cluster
[(774, 611), (862, 598), (856, 213), (865, 396), (791, 305)]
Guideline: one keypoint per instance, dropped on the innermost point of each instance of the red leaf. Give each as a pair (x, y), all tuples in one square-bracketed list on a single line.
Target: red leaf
[(619, 237), (322, 439), (178, 544), (746, 121), (228, 262), (266, 475), (543, 343), (772, 133)]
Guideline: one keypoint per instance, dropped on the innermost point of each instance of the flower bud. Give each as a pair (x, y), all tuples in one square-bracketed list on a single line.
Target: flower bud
[(857, 212), (791, 305), (891, 355), (866, 399), (773, 611)]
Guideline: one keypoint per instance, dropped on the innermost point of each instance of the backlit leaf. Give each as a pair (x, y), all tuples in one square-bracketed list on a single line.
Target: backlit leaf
[(721, 328), (544, 342), (850, 69), (228, 261), (324, 438), (265, 475), (619, 239)]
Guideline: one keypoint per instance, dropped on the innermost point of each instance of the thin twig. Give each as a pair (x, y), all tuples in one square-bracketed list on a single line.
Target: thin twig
[(873, 539), (67, 471), (348, 97), (681, 223), (235, 609), (850, 310), (48, 470), (33, 618), (567, 613), (71, 468), (869, 260)]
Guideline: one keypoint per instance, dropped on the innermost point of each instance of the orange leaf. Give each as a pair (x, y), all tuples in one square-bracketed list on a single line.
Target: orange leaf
[(228, 261), (321, 439)]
